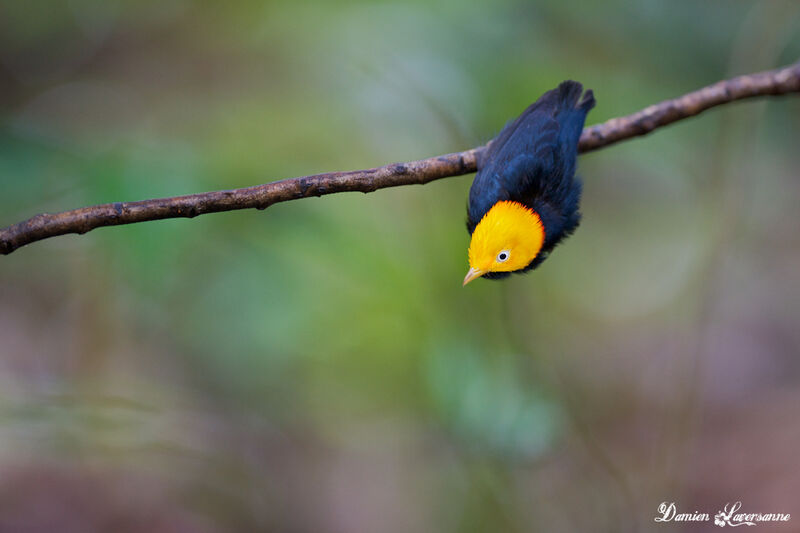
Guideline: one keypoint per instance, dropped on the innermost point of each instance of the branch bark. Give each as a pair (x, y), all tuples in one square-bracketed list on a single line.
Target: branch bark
[(769, 83)]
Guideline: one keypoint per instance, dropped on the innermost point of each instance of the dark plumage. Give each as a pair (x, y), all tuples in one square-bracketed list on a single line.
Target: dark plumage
[(532, 161)]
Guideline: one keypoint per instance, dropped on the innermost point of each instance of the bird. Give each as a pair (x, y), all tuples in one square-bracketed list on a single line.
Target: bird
[(525, 197)]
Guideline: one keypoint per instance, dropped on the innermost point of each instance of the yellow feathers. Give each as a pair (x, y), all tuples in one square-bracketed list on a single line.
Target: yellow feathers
[(508, 238)]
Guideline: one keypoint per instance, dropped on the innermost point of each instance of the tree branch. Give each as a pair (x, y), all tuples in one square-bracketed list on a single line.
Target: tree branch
[(773, 82)]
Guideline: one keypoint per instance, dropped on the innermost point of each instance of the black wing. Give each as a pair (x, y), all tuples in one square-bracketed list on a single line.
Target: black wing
[(532, 160)]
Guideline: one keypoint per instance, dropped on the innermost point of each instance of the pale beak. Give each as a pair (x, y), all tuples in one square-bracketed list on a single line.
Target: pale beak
[(473, 273)]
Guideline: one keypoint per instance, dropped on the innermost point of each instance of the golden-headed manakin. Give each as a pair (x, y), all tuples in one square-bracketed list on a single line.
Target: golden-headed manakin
[(524, 199)]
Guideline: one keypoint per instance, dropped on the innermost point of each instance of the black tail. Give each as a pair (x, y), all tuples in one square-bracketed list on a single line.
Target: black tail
[(561, 104), (572, 110), (569, 93), (588, 101)]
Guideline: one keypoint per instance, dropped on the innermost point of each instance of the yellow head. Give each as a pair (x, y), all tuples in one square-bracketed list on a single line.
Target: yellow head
[(508, 238)]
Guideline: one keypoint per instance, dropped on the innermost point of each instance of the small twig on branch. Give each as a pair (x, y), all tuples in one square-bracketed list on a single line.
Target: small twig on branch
[(773, 82)]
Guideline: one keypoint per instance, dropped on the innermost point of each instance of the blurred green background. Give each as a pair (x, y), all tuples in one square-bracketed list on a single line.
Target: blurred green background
[(317, 367)]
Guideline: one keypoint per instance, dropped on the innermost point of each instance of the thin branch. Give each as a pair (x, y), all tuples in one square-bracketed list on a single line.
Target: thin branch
[(773, 82)]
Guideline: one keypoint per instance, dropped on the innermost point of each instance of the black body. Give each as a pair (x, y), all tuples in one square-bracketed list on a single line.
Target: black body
[(532, 161)]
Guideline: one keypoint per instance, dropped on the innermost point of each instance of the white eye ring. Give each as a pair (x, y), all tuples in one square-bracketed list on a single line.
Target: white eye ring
[(503, 256)]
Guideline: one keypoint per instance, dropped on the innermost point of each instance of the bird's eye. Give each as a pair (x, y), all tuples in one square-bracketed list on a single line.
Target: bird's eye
[(502, 257)]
